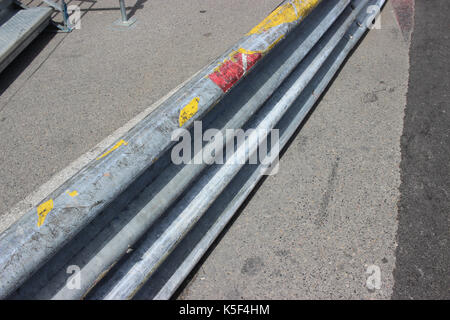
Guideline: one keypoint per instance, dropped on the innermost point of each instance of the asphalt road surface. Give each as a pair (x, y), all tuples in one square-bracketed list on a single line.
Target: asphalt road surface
[(422, 268)]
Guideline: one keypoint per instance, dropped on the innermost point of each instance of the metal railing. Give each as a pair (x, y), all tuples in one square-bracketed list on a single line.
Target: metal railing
[(68, 25)]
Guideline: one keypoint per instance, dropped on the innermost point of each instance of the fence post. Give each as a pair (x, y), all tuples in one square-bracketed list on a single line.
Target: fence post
[(124, 21)]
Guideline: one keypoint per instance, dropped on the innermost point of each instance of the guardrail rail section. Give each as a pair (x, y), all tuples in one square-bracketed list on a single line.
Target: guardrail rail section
[(19, 26), (133, 224)]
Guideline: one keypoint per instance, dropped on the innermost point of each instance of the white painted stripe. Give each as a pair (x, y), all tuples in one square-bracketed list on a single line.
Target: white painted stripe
[(244, 62)]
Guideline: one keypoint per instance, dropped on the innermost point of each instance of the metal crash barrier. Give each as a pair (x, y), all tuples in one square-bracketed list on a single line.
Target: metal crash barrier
[(18, 27), (132, 223)]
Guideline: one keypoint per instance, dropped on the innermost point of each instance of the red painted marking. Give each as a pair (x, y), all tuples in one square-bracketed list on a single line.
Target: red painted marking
[(404, 12), (233, 69)]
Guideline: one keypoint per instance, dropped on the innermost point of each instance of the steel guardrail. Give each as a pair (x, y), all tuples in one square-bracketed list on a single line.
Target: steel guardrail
[(132, 215)]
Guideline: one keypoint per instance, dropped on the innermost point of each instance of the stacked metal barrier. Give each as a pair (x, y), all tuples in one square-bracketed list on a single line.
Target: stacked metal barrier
[(134, 222)]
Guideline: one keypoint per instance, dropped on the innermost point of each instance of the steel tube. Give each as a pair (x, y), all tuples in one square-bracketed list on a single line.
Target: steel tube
[(123, 11), (150, 259), (277, 93), (124, 236), (318, 86), (37, 241)]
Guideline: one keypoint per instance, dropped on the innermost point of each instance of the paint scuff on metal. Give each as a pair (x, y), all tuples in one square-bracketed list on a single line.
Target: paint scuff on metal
[(259, 41), (286, 13), (43, 210), (117, 145), (188, 111)]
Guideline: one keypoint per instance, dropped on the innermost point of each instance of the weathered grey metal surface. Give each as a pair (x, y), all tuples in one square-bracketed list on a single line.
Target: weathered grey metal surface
[(39, 234), (18, 27), (151, 254), (172, 246), (257, 90), (113, 239), (188, 253)]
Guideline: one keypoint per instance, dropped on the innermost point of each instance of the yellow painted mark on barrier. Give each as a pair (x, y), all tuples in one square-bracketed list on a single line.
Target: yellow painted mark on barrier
[(43, 210), (117, 145), (286, 13), (73, 193), (188, 111)]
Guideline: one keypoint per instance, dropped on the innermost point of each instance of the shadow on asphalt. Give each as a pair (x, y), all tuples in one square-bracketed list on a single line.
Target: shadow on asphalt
[(24, 59)]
